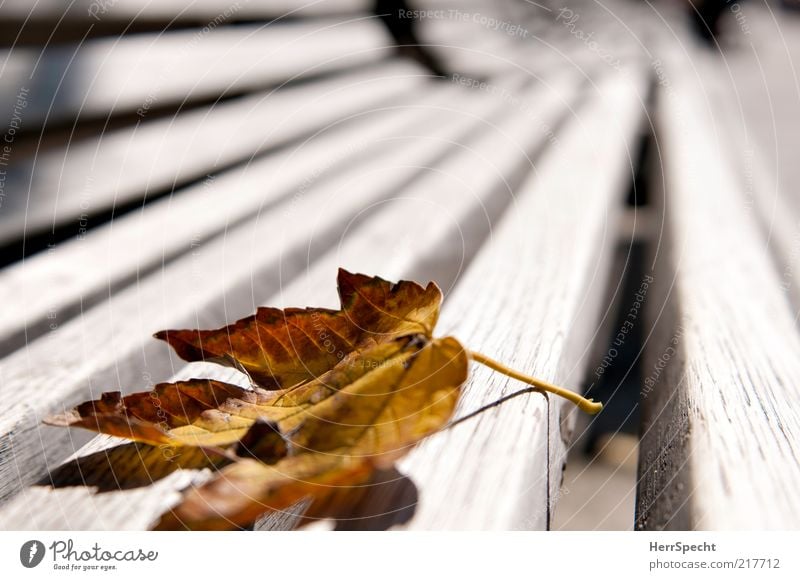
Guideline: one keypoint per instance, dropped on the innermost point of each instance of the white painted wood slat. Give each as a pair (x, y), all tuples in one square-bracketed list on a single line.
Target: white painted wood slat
[(135, 74), (531, 300), (721, 431), (217, 281), (168, 10), (462, 193), (86, 268), (121, 166), (434, 210), (765, 188)]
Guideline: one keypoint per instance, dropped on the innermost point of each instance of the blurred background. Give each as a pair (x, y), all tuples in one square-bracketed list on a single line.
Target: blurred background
[(136, 131)]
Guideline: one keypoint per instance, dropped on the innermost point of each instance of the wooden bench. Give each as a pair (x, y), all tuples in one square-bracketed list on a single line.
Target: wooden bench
[(254, 182), (721, 432)]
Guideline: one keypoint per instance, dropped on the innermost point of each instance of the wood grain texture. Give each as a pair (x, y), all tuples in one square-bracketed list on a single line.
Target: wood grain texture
[(721, 430), (482, 195), (89, 268), (436, 209), (528, 300), (109, 347), (765, 180), (396, 502), (548, 37), (83, 492), (122, 166), (166, 10), (115, 76), (46, 21)]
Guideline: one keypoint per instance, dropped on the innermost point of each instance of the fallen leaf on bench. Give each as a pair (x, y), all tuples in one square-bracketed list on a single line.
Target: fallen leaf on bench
[(336, 396), (207, 413), (281, 348), (360, 429), (314, 352)]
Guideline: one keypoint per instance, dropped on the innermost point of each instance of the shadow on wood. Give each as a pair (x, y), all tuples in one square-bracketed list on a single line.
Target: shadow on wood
[(128, 466), (388, 500)]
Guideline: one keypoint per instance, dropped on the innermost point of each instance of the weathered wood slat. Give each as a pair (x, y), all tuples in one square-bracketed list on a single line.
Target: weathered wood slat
[(216, 282), (518, 448), (106, 258), (767, 189), (94, 175), (434, 228), (516, 137), (55, 21), (548, 258), (547, 38), (466, 48), (480, 178), (74, 501), (137, 74), (721, 434), (167, 10)]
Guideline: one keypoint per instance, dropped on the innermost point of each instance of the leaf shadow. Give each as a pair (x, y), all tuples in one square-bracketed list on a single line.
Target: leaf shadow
[(128, 466), (388, 499)]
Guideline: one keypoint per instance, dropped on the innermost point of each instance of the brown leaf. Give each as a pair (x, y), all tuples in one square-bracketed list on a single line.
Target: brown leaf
[(339, 395), (240, 493), (282, 348), (365, 426), (202, 412)]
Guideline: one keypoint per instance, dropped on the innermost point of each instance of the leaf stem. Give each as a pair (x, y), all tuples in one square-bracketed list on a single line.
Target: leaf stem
[(587, 405)]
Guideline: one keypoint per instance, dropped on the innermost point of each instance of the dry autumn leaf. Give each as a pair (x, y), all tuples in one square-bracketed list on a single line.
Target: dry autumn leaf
[(365, 427), (336, 395), (281, 348), (243, 491)]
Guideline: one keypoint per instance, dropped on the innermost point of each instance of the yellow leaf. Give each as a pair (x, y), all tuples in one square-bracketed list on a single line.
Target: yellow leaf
[(339, 443), (338, 395)]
